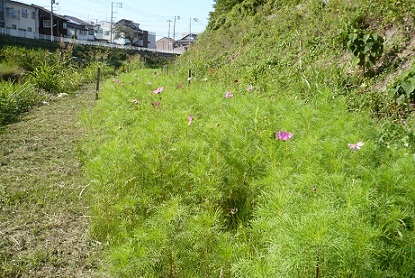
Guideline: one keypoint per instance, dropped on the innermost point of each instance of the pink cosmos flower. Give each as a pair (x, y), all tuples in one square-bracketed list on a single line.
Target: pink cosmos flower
[(234, 210), (356, 146), (249, 88), (228, 95), (158, 90), (283, 135), (190, 120)]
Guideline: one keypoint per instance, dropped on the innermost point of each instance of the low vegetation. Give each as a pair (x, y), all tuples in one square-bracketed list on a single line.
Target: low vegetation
[(31, 76), (286, 154)]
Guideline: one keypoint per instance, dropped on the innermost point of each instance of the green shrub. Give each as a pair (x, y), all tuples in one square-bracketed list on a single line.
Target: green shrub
[(367, 47), (403, 89), (16, 99)]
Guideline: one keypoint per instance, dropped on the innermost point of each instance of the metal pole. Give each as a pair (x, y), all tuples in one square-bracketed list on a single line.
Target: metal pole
[(168, 34), (112, 18), (174, 26), (51, 19)]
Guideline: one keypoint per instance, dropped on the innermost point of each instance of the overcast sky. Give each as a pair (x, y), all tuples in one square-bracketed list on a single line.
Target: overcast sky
[(152, 15)]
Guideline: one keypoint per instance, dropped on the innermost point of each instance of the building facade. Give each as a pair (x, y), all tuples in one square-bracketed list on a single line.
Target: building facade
[(2, 13), (20, 19), (79, 29), (60, 24), (165, 44)]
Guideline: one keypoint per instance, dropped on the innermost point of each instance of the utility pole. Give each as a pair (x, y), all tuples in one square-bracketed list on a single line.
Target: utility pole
[(168, 34), (112, 20), (174, 26), (51, 20), (190, 26), (190, 29), (118, 5)]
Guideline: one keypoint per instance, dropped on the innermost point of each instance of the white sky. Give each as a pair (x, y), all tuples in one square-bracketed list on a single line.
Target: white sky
[(152, 15)]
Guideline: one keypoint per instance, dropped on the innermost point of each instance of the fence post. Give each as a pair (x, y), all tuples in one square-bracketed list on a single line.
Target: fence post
[(189, 77), (98, 78)]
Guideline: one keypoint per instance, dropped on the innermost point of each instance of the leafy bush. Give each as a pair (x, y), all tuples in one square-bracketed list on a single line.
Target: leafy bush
[(367, 47), (403, 89)]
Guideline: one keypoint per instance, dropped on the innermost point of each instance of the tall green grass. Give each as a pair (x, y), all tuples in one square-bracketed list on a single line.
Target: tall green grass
[(16, 99), (221, 196), (30, 75)]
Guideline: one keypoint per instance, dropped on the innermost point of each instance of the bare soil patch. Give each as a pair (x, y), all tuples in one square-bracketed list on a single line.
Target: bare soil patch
[(43, 218)]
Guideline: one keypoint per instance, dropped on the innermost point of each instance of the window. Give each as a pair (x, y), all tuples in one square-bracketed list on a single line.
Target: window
[(11, 13), (14, 27), (25, 13), (65, 25), (29, 29), (46, 23), (107, 33), (33, 15), (91, 32)]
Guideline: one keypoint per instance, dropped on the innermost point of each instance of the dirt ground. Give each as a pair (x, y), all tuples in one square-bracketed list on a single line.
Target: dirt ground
[(44, 214)]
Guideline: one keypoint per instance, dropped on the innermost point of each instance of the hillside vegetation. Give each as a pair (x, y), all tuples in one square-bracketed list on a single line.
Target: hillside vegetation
[(289, 154)]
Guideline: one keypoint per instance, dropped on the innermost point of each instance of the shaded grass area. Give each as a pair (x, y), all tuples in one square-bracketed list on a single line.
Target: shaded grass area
[(43, 218)]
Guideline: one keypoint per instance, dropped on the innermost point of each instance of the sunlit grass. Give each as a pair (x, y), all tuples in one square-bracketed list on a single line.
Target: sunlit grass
[(224, 195)]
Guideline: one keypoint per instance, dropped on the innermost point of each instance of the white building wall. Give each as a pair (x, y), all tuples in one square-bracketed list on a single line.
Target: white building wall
[(103, 32), (21, 20), (151, 40)]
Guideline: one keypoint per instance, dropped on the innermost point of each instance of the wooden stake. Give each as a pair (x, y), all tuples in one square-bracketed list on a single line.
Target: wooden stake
[(98, 78), (189, 77)]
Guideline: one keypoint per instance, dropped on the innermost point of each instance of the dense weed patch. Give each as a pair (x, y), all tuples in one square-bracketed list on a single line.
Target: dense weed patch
[(283, 158), (48, 74), (196, 180)]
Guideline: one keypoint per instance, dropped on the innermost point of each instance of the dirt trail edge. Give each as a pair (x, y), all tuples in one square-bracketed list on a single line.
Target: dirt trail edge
[(43, 217)]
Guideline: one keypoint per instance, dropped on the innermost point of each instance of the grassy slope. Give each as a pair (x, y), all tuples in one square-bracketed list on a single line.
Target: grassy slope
[(223, 197)]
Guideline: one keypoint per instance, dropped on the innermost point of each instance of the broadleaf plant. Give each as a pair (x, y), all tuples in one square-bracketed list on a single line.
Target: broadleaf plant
[(366, 46)]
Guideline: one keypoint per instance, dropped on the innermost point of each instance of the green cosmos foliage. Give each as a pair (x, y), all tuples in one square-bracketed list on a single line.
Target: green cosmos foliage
[(222, 196)]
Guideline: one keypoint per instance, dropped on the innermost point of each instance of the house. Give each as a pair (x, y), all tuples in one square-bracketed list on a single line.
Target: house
[(124, 32), (103, 31), (1, 13), (165, 44), (129, 32), (79, 29), (20, 19), (151, 40), (184, 43), (60, 24)]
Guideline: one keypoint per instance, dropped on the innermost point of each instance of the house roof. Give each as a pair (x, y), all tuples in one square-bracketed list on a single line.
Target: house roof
[(18, 3), (167, 39), (189, 38), (47, 11), (77, 21)]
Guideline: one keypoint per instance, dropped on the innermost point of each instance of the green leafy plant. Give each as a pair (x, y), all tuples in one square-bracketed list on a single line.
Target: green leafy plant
[(366, 46), (403, 88)]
